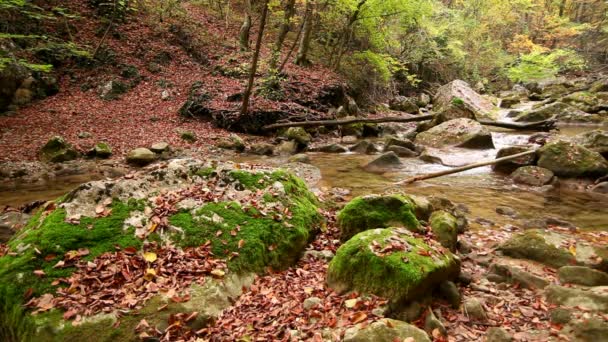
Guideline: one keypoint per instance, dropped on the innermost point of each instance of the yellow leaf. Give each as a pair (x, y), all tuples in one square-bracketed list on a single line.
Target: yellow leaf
[(572, 250), (153, 227), (218, 273), (150, 274), (150, 256)]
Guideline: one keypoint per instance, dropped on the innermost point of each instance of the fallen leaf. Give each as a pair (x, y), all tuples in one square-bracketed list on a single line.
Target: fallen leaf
[(150, 256)]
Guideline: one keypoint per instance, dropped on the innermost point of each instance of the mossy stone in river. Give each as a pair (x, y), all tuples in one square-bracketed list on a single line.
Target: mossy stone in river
[(299, 135), (445, 228), (532, 175), (58, 150), (571, 160), (374, 211), (368, 263)]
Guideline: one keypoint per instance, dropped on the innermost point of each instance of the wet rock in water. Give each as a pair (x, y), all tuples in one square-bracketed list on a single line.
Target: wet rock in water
[(600, 188), (386, 162), (299, 135), (287, 147), (159, 147), (596, 139), (581, 275), (432, 323), (549, 248), (375, 211), (509, 102), (570, 160), (141, 156), (102, 150), (532, 175), (450, 292), (349, 139), (428, 155), (585, 101), (510, 165), (506, 211), (460, 94), (592, 298), (262, 149), (458, 132), (445, 229), (364, 147), (496, 334), (10, 223), (503, 273), (299, 158), (402, 152), (332, 148), (233, 142), (58, 150), (404, 104), (391, 263), (385, 330), (473, 308), (392, 141)]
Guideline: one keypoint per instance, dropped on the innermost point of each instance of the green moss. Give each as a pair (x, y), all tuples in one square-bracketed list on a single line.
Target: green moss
[(188, 136), (369, 212), (457, 101), (532, 245), (445, 228), (15, 323), (356, 267), (206, 172)]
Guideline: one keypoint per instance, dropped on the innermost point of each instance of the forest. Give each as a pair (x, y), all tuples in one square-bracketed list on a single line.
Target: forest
[(304, 170)]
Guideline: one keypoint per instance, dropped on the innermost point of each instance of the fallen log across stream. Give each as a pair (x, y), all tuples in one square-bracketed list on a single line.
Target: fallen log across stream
[(464, 168), (545, 125)]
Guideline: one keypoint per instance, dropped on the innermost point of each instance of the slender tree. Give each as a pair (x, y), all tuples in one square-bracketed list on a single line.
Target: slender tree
[(254, 59), (246, 27), (302, 56), (288, 12)]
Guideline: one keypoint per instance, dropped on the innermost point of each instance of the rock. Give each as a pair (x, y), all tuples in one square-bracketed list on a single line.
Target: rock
[(432, 323), (325, 254), (457, 132), (233, 142), (311, 302), (596, 139), (349, 139), (332, 148), (141, 156), (560, 316), (509, 102), (562, 111), (445, 229), (102, 150), (300, 158), (159, 147), (165, 95), (113, 89), (262, 149), (341, 113), (585, 101), (188, 136), (374, 211), (351, 106), (440, 203), (510, 165), (402, 152), (386, 162), (423, 100), (351, 303), (569, 160), (404, 104), (400, 275), (506, 211), (299, 135), (600, 188), (548, 247), (58, 150), (599, 86), (473, 308), (592, 330), (582, 276), (365, 147), (592, 299), (496, 334), (10, 223), (287, 147), (392, 141), (459, 93), (500, 273), (429, 155), (532, 175), (450, 292), (85, 135), (385, 330)]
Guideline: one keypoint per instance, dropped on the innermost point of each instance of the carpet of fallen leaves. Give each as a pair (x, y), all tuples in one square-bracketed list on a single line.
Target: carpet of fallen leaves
[(141, 117)]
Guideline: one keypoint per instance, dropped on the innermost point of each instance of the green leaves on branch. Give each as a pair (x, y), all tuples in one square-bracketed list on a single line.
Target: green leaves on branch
[(539, 65)]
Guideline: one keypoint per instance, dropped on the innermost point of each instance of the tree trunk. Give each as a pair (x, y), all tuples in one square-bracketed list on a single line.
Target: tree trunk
[(562, 8), (302, 56), (254, 61), (245, 28), (288, 10)]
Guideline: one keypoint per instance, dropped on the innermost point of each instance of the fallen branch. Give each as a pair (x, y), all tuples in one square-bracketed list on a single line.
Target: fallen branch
[(544, 125), (464, 168), (346, 122)]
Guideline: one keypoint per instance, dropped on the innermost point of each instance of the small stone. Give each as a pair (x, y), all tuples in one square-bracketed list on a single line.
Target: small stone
[(385, 162), (102, 150), (286, 147), (311, 302), (403, 152), (349, 139), (474, 309), (165, 95), (600, 188), (332, 148), (159, 147), (299, 158), (140, 156), (262, 149), (581, 275), (85, 135), (450, 292), (496, 334), (350, 303), (278, 187), (506, 211)]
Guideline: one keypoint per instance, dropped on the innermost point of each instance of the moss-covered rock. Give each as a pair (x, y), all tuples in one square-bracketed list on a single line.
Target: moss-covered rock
[(445, 229), (233, 142), (374, 211), (596, 139), (102, 150), (386, 330), (299, 135), (563, 112), (510, 165), (458, 132), (583, 100), (58, 150), (388, 161), (459, 94), (391, 263), (532, 175), (140, 156), (571, 160), (188, 136)]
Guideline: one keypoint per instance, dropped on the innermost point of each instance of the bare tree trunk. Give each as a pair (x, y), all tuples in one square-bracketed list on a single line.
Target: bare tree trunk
[(245, 28), (289, 10), (293, 46), (302, 56), (254, 61), (562, 8)]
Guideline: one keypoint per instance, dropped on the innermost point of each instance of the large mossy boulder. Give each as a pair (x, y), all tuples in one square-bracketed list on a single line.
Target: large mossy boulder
[(571, 160), (375, 211), (554, 249), (391, 263), (458, 132), (58, 150), (596, 139), (246, 220), (561, 111), (404, 104), (386, 330), (445, 228), (583, 100), (459, 94)]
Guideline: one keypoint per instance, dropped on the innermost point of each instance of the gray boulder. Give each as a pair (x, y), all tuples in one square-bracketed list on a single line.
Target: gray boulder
[(581, 275), (402, 152), (404, 104), (385, 330), (571, 160), (58, 150), (364, 147), (386, 162), (141, 156), (459, 95), (592, 299), (510, 165), (458, 132), (532, 175)]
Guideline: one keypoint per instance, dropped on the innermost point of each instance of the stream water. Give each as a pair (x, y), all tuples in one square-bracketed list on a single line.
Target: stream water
[(481, 189)]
